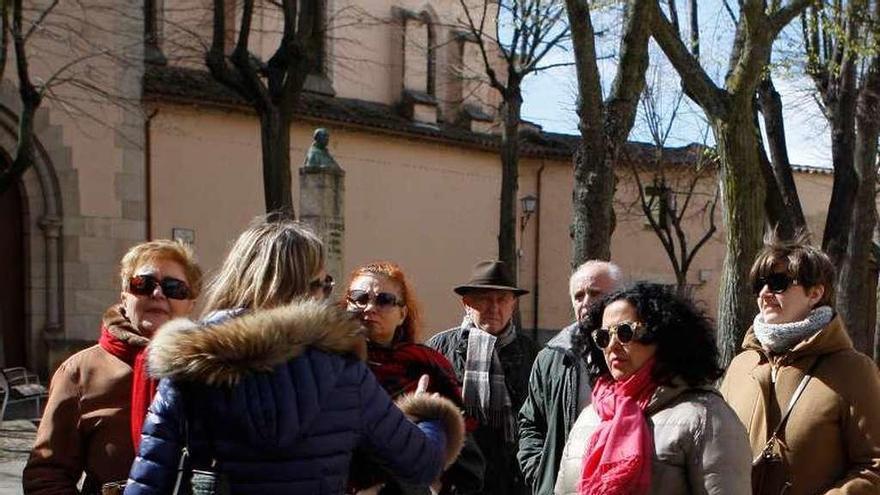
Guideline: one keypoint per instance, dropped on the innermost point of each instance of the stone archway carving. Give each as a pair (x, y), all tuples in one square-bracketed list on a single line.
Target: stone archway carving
[(44, 215)]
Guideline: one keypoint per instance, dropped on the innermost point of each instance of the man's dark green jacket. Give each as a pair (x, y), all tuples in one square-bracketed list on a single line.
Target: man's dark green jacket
[(556, 384)]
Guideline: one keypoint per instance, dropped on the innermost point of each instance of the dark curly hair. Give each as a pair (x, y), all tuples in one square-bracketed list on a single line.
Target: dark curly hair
[(684, 335)]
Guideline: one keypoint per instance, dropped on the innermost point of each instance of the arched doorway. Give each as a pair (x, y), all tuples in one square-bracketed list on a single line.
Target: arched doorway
[(13, 328)]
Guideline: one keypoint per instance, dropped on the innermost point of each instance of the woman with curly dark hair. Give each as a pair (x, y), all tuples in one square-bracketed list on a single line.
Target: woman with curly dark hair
[(656, 424)]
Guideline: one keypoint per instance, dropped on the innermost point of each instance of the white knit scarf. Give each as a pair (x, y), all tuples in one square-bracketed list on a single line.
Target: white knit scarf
[(781, 337)]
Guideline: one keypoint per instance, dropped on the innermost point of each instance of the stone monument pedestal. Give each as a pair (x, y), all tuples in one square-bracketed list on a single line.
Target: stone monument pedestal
[(322, 207)]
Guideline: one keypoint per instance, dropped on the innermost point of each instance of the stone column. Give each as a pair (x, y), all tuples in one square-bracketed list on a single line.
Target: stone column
[(322, 202)]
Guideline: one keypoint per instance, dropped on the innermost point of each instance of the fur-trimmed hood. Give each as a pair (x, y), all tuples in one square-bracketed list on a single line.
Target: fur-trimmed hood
[(223, 353)]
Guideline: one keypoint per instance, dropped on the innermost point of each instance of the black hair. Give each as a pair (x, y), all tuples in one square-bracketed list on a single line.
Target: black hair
[(684, 335)]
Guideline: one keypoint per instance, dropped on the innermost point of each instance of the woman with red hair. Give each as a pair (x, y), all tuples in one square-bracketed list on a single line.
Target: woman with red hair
[(385, 303)]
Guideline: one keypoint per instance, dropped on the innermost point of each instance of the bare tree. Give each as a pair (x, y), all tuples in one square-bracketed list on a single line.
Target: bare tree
[(271, 87), (675, 201), (53, 25), (730, 110), (782, 205), (604, 125), (841, 42), (514, 36)]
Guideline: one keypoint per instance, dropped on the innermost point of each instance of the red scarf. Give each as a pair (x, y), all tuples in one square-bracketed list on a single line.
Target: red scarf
[(143, 388), (399, 368), (621, 449)]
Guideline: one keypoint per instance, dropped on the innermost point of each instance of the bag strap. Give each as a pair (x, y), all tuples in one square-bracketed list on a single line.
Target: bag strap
[(184, 456), (794, 398)]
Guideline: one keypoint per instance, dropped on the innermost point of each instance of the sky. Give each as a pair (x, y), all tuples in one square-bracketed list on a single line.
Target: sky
[(549, 96)]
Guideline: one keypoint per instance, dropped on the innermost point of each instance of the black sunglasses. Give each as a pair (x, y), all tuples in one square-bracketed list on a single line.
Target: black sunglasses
[(776, 282), (361, 298), (144, 285), (626, 332), (325, 285)]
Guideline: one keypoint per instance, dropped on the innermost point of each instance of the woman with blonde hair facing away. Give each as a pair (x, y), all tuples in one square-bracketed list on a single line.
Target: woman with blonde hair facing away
[(382, 297), (270, 391), (98, 398), (809, 400), (655, 425)]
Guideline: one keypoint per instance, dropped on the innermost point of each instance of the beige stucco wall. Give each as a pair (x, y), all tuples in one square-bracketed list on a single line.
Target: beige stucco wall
[(430, 206), (424, 205)]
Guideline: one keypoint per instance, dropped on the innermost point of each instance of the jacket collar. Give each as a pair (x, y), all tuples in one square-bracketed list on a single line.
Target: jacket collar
[(223, 353), (830, 339), (562, 340), (119, 326), (666, 394)]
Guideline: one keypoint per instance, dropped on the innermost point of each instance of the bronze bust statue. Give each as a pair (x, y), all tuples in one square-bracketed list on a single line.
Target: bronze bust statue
[(319, 156)]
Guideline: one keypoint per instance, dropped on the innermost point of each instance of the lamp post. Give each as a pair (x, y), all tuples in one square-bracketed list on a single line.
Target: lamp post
[(529, 205)]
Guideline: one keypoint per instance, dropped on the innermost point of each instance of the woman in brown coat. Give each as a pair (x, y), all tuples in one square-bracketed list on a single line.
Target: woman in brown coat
[(98, 397), (830, 442)]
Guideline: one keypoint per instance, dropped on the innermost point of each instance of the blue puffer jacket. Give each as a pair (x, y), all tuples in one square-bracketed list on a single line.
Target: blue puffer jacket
[(273, 399)]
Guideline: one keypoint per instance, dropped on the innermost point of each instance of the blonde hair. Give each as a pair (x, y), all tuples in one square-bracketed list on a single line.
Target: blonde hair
[(162, 249), (270, 264)]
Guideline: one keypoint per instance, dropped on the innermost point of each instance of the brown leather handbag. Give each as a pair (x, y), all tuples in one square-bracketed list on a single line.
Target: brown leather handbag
[(770, 474)]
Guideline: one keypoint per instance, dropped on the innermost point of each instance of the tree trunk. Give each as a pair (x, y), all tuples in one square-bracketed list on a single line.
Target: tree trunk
[(742, 189), (24, 150), (510, 112), (784, 211), (875, 246), (275, 139), (604, 127), (857, 273), (592, 194), (840, 207)]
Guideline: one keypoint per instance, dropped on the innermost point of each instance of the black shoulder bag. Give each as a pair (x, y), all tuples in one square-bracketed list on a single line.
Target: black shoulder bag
[(769, 473)]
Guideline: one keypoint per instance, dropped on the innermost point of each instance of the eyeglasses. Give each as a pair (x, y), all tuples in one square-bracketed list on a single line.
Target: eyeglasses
[(325, 285), (626, 332), (362, 298), (172, 288), (776, 282)]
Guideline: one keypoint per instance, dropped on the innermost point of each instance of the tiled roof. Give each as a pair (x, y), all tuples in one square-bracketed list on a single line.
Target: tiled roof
[(185, 85)]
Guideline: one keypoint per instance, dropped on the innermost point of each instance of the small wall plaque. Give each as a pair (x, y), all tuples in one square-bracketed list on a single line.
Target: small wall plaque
[(186, 236)]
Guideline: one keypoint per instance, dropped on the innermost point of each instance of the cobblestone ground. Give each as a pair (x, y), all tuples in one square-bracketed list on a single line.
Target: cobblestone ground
[(16, 439)]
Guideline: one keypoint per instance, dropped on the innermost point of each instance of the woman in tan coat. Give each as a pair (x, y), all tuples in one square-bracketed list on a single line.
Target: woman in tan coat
[(830, 442), (98, 397)]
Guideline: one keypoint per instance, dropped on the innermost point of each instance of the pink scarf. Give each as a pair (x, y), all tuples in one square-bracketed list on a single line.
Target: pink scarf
[(621, 449)]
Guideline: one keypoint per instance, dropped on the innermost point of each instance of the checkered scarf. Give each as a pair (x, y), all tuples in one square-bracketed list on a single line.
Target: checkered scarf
[(484, 388)]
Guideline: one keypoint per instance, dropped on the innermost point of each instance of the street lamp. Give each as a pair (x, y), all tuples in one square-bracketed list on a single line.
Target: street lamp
[(529, 206)]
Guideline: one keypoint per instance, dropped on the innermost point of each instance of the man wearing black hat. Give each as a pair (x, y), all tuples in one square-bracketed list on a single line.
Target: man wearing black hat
[(493, 362)]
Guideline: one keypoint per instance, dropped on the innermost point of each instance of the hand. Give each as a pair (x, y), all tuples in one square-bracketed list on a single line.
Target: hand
[(422, 387), (373, 490)]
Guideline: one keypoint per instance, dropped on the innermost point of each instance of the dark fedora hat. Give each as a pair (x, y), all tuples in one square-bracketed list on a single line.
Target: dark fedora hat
[(490, 275)]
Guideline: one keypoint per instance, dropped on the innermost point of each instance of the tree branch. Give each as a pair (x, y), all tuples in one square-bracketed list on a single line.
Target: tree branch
[(781, 18), (697, 84), (39, 20)]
